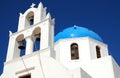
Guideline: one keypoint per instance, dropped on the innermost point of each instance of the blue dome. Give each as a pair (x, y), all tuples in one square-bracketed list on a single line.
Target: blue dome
[(76, 32)]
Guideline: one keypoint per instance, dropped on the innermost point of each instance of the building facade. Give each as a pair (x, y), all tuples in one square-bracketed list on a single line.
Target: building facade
[(77, 52)]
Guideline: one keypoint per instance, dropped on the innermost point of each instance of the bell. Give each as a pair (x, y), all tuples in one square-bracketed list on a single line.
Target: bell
[(37, 36), (21, 45), (31, 21)]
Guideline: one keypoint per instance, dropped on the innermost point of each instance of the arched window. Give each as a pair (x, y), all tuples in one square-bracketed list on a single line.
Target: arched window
[(98, 53), (74, 51)]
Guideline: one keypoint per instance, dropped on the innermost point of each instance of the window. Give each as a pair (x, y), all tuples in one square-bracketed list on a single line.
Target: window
[(25, 76), (98, 52), (74, 51)]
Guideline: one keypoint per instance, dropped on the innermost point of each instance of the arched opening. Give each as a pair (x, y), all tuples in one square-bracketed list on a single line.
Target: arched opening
[(22, 52), (37, 37), (36, 45), (98, 53), (30, 18), (74, 51), (21, 44)]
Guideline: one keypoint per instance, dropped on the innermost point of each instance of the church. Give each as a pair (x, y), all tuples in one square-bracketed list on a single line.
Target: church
[(76, 52)]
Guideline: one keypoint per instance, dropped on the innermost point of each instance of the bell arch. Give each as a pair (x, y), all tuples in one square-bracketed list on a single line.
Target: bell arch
[(29, 19), (20, 40), (21, 44), (37, 38)]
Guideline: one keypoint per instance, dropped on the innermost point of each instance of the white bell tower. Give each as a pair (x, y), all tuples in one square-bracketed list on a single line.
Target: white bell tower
[(34, 25)]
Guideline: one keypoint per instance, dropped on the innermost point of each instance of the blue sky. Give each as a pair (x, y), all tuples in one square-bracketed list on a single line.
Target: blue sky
[(101, 16)]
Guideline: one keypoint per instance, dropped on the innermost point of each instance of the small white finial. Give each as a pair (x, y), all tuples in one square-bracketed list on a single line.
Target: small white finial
[(32, 6), (53, 19), (45, 8), (20, 14), (75, 26), (48, 16), (10, 33), (40, 5)]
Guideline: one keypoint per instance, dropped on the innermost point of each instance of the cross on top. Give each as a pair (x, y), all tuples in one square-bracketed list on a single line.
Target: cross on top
[(32, 6)]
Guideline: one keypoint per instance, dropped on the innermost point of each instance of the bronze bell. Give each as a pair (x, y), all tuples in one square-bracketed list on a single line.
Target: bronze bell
[(21, 45), (31, 21), (37, 36)]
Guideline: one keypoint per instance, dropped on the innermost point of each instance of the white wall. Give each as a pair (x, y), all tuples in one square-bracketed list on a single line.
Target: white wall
[(99, 68), (116, 69), (80, 73), (104, 67), (87, 51), (36, 64), (103, 48)]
